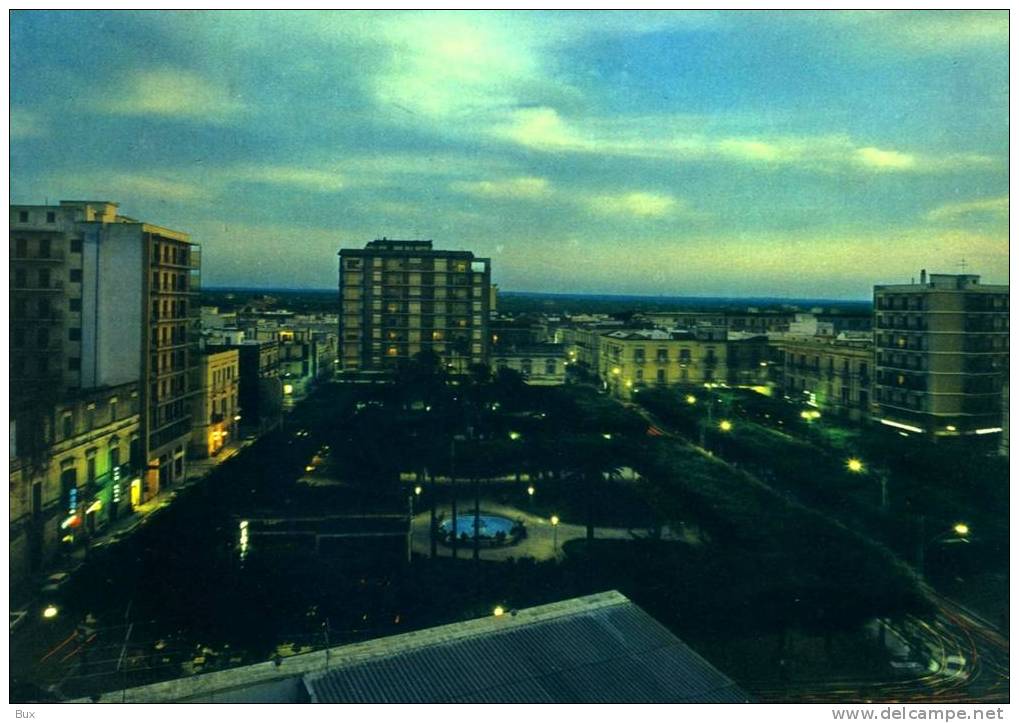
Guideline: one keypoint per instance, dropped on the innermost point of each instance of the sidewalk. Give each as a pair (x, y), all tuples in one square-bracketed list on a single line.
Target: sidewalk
[(198, 471)]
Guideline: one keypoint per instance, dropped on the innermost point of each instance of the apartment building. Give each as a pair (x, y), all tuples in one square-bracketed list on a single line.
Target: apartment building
[(631, 359), (261, 390), (75, 467), (99, 299), (941, 354), (217, 408), (834, 375), (398, 298)]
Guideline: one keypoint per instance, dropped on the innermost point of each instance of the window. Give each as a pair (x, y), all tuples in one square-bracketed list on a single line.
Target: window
[(44, 308), (21, 248), (44, 278), (90, 468), (20, 279), (44, 248), (74, 334), (75, 275), (76, 246), (525, 367), (43, 337), (51, 217), (661, 376), (23, 216), (67, 426), (663, 355), (73, 363), (550, 366), (113, 410)]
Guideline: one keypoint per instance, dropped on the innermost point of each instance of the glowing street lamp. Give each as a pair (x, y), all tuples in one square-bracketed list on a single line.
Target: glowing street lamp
[(498, 611), (514, 436), (417, 490), (691, 399), (530, 490), (854, 465), (50, 612), (961, 529), (555, 534), (725, 425)]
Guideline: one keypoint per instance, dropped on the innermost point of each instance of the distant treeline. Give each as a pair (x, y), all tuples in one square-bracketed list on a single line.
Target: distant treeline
[(327, 300)]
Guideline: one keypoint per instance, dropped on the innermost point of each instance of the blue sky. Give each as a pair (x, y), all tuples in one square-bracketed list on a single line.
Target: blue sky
[(679, 153)]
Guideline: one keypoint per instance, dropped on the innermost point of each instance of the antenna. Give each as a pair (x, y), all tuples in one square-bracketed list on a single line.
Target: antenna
[(962, 265)]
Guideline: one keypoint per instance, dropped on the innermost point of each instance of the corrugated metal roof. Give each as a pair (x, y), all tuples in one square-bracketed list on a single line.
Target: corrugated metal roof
[(596, 649)]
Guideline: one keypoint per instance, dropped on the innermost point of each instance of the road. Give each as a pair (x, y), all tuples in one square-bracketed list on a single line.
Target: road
[(950, 630)]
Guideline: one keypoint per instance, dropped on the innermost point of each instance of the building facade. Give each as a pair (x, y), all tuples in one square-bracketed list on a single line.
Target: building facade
[(399, 298), (537, 364), (75, 467), (217, 408), (941, 355), (107, 300), (833, 375), (261, 390), (632, 359)]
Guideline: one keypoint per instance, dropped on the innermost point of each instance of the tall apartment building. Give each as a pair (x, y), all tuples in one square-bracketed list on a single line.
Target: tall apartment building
[(398, 298), (99, 299), (941, 354)]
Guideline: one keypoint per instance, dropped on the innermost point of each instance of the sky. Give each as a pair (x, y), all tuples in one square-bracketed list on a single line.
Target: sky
[(767, 153)]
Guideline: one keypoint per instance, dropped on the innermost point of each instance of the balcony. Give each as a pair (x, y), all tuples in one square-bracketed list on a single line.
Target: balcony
[(56, 286), (54, 256)]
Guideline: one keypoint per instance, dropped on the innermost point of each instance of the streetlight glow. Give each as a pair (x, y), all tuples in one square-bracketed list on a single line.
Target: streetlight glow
[(417, 490), (854, 465), (530, 490), (498, 612), (50, 612), (691, 399), (554, 520), (514, 436), (961, 528), (725, 425)]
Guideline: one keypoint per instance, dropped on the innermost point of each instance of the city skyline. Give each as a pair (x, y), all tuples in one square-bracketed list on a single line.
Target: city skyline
[(774, 154)]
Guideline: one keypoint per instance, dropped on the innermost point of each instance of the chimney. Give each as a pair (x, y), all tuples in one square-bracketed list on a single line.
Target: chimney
[(923, 276)]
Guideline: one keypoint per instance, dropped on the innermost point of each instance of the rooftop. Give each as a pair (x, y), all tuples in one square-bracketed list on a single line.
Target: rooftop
[(595, 649)]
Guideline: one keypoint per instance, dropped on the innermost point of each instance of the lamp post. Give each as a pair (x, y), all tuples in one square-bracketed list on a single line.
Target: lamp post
[(960, 530), (555, 535), (856, 466)]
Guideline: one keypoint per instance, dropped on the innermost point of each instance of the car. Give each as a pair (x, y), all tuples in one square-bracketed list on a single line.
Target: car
[(56, 582), (907, 667)]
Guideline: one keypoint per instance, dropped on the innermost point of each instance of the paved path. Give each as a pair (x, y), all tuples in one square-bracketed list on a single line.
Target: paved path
[(543, 541)]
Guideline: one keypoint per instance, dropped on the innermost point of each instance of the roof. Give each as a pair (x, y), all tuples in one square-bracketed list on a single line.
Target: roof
[(596, 649)]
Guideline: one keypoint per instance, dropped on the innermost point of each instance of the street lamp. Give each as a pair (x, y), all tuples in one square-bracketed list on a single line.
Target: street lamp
[(514, 436), (959, 529), (555, 534), (691, 399), (498, 611), (854, 465), (50, 612), (725, 425)]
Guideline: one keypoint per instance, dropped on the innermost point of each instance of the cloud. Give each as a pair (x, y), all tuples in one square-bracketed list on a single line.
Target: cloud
[(27, 124), (544, 129), (920, 32), (300, 177), (526, 187), (964, 210), (172, 93), (636, 204), (126, 185), (880, 160)]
